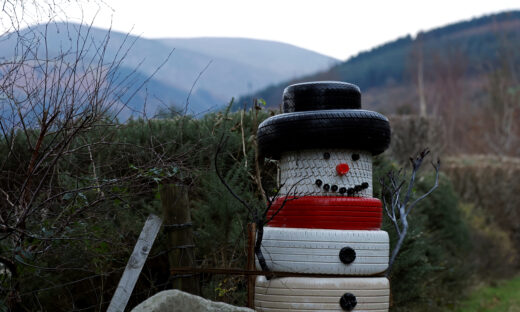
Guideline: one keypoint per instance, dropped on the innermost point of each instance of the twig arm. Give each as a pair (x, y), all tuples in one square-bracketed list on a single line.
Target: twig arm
[(392, 186)]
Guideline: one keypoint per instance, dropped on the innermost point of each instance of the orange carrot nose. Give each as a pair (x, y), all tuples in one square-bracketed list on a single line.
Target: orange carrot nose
[(342, 169)]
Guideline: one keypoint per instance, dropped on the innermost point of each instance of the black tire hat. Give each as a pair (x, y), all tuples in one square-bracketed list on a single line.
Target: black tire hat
[(321, 95), (313, 124)]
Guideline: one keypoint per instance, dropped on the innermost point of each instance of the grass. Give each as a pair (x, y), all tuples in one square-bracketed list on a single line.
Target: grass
[(503, 297)]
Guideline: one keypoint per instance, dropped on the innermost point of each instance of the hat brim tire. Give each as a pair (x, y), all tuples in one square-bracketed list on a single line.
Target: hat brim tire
[(349, 129)]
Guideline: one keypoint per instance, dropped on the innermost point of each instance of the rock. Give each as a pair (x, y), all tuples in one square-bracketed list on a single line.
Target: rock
[(176, 300)]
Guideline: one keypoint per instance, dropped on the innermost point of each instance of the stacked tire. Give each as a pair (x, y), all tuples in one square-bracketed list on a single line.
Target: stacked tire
[(325, 220)]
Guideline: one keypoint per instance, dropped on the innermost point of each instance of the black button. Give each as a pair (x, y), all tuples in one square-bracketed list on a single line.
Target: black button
[(355, 157), (364, 185), (334, 188), (348, 302), (347, 255), (326, 187), (318, 182), (342, 190), (326, 155)]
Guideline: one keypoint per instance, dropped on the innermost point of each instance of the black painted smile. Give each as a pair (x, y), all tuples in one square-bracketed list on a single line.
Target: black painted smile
[(342, 190)]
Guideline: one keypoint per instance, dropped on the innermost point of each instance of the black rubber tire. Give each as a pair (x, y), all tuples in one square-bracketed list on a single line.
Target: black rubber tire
[(321, 95), (350, 129)]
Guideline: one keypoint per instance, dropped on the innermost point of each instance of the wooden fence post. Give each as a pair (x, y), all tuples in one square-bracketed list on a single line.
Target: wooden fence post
[(251, 237), (135, 264), (178, 226)]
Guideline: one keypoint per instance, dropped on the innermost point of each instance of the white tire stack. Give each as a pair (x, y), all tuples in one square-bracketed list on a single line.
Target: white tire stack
[(324, 143)]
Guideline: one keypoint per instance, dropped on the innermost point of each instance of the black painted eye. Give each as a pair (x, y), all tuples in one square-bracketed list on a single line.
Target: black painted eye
[(318, 182), (355, 157), (326, 187), (334, 188), (326, 155)]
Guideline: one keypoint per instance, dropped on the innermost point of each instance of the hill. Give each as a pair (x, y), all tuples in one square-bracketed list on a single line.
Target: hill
[(279, 59), (236, 66), (388, 74)]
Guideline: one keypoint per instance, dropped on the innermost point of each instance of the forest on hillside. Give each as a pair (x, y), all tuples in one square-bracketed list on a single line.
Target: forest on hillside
[(480, 41), (465, 74), (77, 182)]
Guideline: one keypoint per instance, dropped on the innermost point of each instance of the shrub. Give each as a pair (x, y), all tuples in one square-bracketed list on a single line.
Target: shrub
[(489, 185), (431, 269)]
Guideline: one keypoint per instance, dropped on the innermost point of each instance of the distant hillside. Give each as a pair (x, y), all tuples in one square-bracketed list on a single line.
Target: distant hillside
[(280, 59), (238, 66), (387, 73)]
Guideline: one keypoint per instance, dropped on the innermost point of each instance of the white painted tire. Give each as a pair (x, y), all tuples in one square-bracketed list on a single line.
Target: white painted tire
[(318, 251), (300, 169), (321, 294)]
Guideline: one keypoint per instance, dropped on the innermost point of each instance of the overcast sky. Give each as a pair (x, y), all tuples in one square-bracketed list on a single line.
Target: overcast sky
[(332, 27)]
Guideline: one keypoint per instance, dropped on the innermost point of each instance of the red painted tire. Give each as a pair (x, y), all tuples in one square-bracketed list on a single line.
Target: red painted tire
[(326, 212)]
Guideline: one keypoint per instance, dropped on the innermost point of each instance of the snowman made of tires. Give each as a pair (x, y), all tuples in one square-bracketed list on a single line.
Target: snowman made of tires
[(324, 143)]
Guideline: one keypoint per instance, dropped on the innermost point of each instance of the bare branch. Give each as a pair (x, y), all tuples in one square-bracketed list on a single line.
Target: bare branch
[(193, 86), (221, 143), (59, 106), (435, 185), (399, 209)]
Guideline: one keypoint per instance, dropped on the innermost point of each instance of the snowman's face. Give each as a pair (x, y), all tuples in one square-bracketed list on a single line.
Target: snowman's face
[(331, 172)]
